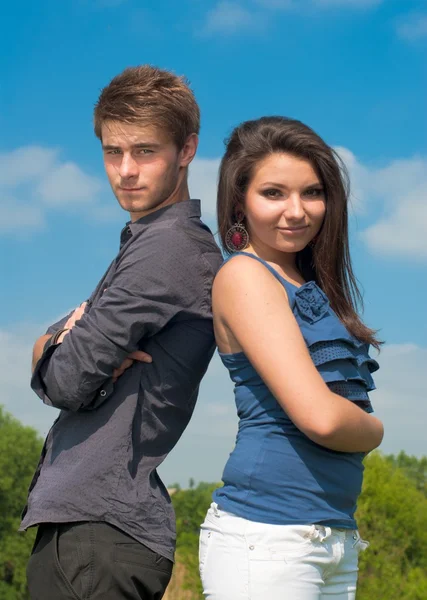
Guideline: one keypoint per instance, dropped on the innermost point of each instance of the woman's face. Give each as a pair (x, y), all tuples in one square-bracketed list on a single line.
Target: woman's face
[(284, 203)]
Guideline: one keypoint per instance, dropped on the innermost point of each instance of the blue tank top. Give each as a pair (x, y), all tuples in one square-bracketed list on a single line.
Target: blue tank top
[(276, 474)]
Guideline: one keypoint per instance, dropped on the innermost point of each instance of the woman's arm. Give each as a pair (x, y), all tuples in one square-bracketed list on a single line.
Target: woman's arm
[(253, 306)]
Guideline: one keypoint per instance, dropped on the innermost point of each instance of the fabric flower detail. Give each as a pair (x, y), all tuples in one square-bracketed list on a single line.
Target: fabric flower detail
[(311, 302)]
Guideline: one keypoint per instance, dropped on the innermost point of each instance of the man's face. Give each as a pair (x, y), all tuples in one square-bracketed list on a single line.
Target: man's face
[(143, 165)]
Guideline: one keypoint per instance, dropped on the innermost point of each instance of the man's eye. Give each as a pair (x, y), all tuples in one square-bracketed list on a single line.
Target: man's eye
[(145, 151), (113, 152)]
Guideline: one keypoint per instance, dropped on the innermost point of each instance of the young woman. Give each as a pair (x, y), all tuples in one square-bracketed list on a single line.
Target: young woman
[(282, 527)]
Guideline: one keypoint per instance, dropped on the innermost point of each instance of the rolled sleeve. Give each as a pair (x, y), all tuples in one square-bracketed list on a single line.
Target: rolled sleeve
[(37, 382), (147, 291), (58, 325)]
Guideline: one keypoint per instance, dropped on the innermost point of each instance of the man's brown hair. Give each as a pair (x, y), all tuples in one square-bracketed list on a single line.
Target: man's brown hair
[(147, 95)]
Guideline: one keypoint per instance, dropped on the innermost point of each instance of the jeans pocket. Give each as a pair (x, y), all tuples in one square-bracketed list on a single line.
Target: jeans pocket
[(134, 553), (205, 542), (287, 544), (37, 538), (68, 579)]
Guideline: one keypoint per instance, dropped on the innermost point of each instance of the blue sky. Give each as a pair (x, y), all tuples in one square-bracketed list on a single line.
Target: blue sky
[(354, 70)]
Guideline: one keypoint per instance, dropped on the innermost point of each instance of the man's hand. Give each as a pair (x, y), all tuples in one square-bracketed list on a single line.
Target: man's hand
[(72, 320), (41, 341), (77, 314), (128, 362)]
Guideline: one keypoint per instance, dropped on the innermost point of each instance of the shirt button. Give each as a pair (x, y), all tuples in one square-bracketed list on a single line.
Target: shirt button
[(251, 547), (102, 393)]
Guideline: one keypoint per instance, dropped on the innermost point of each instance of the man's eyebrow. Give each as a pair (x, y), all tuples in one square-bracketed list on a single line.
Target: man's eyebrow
[(136, 146), (146, 145)]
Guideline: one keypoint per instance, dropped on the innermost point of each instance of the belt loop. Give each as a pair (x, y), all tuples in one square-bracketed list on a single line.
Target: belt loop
[(319, 532), (215, 509)]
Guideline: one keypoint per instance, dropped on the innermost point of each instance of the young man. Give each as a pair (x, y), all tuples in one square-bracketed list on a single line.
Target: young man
[(106, 525)]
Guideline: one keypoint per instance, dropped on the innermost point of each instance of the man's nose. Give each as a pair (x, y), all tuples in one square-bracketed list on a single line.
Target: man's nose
[(128, 166)]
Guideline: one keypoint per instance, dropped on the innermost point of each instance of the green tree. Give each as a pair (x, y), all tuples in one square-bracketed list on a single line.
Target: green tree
[(392, 516), (19, 452), (415, 468), (190, 509)]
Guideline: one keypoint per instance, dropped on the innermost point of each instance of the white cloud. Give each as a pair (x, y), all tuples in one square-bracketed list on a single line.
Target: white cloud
[(275, 4), (413, 28), (110, 3), (290, 4), (403, 232), (400, 401), (17, 218), (67, 183), (17, 397), (25, 164), (34, 180), (230, 17), (359, 179), (400, 190), (347, 3), (203, 183)]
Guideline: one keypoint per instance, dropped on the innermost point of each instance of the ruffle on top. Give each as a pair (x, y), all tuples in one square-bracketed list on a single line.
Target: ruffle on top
[(342, 360)]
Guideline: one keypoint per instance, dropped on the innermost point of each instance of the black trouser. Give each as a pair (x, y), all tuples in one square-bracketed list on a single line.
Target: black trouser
[(94, 561)]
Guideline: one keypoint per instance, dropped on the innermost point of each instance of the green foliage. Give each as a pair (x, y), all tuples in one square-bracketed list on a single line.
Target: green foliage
[(415, 469), (190, 509), (19, 452), (392, 515)]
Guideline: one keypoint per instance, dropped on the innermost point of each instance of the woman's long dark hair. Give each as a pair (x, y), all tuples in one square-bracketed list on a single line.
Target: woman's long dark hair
[(328, 261)]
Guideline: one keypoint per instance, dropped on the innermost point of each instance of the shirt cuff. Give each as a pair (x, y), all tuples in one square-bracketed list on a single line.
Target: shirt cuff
[(37, 383)]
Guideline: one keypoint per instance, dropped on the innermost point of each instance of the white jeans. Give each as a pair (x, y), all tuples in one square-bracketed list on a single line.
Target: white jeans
[(245, 560)]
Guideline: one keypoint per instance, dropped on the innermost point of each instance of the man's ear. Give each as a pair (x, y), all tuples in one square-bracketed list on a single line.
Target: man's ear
[(189, 149)]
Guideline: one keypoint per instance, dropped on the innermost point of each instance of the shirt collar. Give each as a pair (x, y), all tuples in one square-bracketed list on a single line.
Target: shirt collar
[(185, 209)]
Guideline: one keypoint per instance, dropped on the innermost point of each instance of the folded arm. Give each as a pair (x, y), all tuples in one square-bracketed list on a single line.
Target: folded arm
[(145, 294), (260, 320)]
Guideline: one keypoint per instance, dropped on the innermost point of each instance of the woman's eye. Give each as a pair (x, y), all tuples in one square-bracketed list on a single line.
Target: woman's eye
[(272, 193), (314, 193)]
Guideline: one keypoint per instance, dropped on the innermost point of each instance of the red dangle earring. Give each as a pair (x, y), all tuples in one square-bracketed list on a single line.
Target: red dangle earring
[(237, 238)]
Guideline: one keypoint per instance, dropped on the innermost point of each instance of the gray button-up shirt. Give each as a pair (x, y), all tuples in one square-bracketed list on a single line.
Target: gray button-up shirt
[(100, 457)]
